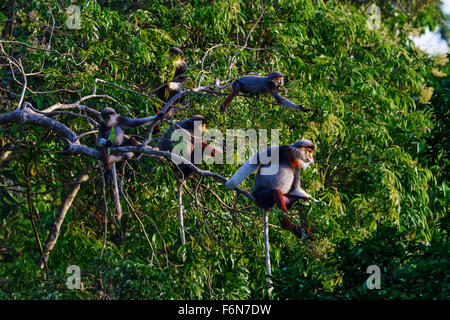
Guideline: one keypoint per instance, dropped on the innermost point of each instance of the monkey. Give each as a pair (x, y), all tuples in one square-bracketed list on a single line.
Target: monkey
[(168, 90), (111, 134), (183, 171), (282, 187), (256, 84)]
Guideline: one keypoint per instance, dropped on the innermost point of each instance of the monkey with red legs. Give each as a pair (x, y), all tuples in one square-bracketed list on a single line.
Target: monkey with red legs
[(277, 180), (257, 84), (111, 134), (196, 125)]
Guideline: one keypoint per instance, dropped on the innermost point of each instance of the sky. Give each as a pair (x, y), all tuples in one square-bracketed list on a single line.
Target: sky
[(432, 42), (446, 6)]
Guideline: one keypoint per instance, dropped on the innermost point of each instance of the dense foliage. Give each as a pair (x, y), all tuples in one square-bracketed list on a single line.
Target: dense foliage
[(381, 163)]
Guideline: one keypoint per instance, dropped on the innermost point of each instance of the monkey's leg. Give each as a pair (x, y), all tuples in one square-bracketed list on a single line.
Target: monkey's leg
[(267, 250), (281, 202), (106, 164), (233, 94), (304, 228), (264, 198)]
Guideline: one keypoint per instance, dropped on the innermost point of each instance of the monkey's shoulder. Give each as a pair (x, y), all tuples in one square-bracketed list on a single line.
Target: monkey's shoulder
[(184, 124), (167, 142), (283, 157)]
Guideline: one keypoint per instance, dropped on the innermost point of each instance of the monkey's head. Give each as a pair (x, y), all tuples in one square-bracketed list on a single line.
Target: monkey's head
[(196, 119), (303, 150), (276, 78), (175, 53), (109, 116)]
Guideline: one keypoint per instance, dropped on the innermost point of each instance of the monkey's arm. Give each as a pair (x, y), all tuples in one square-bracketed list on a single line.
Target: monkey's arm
[(210, 149), (296, 189), (134, 123), (286, 102), (243, 172), (102, 140), (251, 166)]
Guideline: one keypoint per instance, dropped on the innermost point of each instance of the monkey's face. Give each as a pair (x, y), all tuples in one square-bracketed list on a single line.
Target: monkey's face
[(309, 154), (277, 81), (305, 155), (110, 119), (175, 58), (172, 56)]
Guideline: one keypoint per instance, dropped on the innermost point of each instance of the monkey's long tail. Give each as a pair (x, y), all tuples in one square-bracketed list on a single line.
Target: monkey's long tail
[(106, 164)]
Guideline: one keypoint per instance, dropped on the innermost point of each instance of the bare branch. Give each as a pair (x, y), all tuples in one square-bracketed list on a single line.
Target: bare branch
[(76, 105), (25, 117), (18, 64), (29, 46), (179, 159), (51, 32), (128, 90), (245, 44), (56, 226), (63, 112)]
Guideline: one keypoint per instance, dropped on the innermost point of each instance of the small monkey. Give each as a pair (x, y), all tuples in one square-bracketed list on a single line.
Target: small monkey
[(189, 125), (168, 90), (111, 134), (256, 84)]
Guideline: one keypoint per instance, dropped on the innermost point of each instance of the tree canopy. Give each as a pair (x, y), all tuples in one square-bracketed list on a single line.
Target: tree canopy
[(379, 121)]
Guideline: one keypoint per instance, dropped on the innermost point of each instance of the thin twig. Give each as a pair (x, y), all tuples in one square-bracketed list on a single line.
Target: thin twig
[(245, 44)]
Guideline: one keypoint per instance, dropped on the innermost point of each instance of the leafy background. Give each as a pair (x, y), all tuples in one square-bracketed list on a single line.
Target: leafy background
[(380, 122)]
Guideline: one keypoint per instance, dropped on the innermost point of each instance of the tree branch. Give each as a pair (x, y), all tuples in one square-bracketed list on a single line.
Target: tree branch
[(55, 229)]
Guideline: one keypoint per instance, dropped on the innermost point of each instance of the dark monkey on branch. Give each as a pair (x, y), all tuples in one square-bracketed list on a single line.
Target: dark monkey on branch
[(191, 131), (111, 134), (167, 142), (256, 84), (280, 185), (169, 89)]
